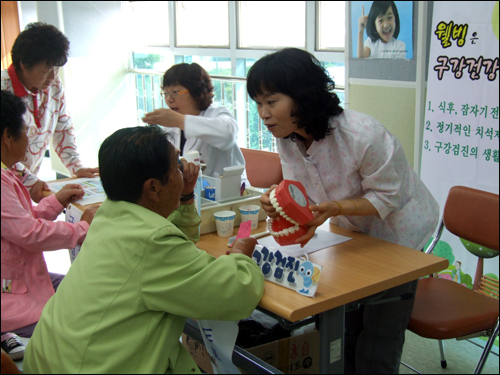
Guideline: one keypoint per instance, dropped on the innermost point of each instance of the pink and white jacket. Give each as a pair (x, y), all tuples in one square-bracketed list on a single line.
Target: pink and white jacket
[(48, 119), (27, 231)]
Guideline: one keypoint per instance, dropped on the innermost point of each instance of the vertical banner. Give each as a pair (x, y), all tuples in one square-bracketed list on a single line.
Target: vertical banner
[(461, 133)]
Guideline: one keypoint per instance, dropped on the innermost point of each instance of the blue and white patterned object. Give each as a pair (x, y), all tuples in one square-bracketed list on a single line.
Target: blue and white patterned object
[(298, 274), (224, 221), (250, 212)]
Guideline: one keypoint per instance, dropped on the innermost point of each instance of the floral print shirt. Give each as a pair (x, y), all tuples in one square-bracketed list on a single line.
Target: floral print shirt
[(47, 118), (362, 159)]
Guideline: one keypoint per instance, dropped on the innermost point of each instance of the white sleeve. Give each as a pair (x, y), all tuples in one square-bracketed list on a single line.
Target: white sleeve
[(400, 50), (217, 127)]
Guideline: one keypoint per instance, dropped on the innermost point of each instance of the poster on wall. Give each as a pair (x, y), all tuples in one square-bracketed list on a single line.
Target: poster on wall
[(382, 29), (461, 132)]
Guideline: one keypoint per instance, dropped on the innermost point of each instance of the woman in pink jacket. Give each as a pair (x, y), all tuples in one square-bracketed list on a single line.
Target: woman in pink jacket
[(28, 230)]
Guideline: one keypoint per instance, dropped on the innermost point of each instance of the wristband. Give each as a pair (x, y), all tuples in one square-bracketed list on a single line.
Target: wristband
[(187, 197), (355, 207), (340, 208)]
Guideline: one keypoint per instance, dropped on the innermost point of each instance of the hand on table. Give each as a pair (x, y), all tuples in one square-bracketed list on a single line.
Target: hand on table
[(88, 214), (87, 172), (69, 193), (165, 117), (244, 246), (36, 191)]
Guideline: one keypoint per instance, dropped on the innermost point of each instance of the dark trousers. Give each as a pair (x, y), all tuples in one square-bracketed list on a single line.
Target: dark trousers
[(27, 331), (375, 334)]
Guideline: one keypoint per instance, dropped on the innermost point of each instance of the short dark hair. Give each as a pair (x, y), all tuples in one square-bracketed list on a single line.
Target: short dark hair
[(40, 42), (194, 78), (13, 109), (131, 156), (298, 74), (380, 8)]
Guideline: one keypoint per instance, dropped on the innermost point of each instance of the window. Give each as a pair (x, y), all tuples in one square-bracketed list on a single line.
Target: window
[(152, 61), (272, 24), (202, 24), (202, 36), (337, 73), (149, 23), (212, 64), (331, 27)]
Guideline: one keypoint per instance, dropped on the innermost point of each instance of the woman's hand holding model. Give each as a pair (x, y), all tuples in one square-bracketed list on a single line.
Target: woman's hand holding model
[(267, 205), (322, 212)]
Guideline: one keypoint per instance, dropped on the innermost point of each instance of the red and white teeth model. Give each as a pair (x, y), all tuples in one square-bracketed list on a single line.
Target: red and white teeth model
[(290, 201)]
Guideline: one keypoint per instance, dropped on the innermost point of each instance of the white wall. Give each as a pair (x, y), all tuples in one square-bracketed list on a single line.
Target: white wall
[(100, 94)]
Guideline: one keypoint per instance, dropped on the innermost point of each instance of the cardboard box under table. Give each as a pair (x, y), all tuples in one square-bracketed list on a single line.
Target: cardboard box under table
[(294, 355)]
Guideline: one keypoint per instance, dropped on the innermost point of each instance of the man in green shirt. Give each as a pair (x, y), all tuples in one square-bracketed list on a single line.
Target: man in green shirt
[(124, 302)]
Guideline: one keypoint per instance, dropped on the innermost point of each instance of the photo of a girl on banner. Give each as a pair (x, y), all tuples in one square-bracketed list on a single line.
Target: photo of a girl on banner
[(384, 32)]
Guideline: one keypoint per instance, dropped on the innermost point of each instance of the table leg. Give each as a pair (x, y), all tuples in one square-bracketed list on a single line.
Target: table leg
[(331, 341)]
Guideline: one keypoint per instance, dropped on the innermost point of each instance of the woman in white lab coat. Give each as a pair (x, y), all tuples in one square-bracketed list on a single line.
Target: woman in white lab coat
[(188, 92)]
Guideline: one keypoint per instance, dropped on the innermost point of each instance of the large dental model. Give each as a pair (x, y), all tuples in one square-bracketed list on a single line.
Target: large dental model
[(290, 201)]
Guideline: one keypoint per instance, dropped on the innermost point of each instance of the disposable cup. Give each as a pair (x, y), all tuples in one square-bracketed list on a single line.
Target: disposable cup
[(250, 212), (224, 221)]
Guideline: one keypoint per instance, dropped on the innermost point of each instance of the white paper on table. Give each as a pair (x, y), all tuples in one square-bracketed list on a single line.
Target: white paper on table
[(321, 240), (94, 192)]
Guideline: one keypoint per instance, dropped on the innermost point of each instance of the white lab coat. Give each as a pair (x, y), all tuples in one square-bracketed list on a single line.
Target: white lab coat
[(213, 134)]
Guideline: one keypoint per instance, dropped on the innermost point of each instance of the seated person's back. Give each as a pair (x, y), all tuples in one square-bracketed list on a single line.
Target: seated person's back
[(123, 304)]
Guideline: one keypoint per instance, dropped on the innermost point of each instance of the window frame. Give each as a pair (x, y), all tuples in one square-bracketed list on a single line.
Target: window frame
[(238, 57), (176, 6), (263, 48), (234, 52), (317, 40)]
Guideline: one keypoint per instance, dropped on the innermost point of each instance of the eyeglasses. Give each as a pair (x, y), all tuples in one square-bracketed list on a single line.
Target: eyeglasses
[(174, 94), (54, 69)]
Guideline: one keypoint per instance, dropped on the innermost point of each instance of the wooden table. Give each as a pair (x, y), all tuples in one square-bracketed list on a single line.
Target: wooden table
[(352, 270)]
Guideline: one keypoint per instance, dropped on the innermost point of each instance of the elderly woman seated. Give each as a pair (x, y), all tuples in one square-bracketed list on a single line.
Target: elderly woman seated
[(28, 231), (124, 302)]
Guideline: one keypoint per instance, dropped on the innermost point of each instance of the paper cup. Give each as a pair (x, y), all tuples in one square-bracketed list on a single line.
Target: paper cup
[(250, 212), (224, 221)]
